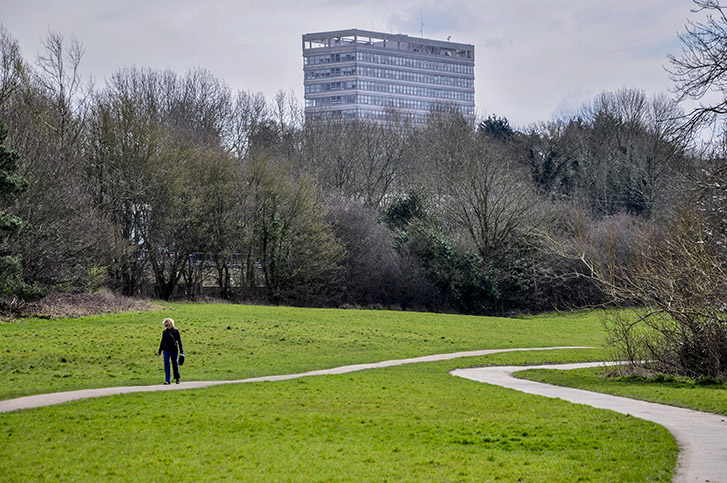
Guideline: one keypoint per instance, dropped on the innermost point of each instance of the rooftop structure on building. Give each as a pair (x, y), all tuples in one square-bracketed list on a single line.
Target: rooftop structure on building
[(360, 74)]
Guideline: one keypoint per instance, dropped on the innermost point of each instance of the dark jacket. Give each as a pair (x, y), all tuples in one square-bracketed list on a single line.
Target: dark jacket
[(170, 339)]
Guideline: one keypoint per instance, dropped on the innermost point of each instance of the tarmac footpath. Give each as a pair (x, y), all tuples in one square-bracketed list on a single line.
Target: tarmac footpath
[(40, 400), (702, 437)]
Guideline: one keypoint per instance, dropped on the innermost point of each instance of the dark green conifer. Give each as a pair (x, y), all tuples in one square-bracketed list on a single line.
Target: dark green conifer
[(11, 185)]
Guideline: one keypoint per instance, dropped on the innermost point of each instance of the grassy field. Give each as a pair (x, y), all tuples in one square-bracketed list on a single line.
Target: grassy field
[(408, 423), (233, 342), (682, 392)]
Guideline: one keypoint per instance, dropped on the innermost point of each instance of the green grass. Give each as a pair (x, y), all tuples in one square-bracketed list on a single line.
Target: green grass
[(408, 423), (681, 392), (232, 342)]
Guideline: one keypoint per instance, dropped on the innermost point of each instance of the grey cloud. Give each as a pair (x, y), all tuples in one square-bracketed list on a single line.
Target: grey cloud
[(534, 59)]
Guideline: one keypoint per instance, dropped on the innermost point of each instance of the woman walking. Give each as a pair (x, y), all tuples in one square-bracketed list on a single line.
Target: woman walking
[(170, 339)]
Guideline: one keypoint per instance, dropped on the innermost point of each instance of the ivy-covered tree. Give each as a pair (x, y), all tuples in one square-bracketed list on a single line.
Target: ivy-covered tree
[(463, 282), (11, 185)]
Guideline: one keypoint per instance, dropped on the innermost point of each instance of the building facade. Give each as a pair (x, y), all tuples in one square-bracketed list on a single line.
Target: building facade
[(359, 74)]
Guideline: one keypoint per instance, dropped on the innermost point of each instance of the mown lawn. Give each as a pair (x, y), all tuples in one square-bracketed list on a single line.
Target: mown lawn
[(232, 342), (408, 423)]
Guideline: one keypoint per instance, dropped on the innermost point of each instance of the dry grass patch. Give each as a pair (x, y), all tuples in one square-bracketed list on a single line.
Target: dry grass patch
[(71, 305)]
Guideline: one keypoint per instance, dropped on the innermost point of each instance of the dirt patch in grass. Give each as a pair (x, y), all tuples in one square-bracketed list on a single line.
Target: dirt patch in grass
[(62, 304)]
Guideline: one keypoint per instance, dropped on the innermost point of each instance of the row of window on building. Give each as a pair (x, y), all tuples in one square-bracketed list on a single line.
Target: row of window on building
[(389, 88), (395, 60), (396, 103), (368, 114), (391, 74), (378, 115), (329, 58)]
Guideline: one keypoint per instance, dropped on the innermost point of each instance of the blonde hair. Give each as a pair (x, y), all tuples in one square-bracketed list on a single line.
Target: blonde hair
[(168, 321)]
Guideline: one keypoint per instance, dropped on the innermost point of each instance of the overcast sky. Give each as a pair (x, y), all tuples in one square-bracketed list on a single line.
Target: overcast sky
[(534, 59)]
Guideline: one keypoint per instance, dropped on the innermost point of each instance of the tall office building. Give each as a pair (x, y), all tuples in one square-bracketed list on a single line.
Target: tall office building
[(359, 74)]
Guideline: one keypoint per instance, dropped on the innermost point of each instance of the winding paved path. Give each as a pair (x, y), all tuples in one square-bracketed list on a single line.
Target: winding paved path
[(702, 437), (41, 400)]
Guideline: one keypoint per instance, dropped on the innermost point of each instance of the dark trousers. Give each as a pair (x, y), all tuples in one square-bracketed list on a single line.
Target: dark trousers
[(168, 355)]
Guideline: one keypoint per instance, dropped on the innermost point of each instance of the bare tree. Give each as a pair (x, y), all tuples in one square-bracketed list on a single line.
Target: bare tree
[(12, 66), (702, 66), (491, 200), (328, 156), (382, 160), (198, 104), (155, 136), (67, 239), (357, 159), (250, 112), (288, 120), (218, 176), (59, 76), (479, 186), (671, 274), (375, 273), (629, 152), (675, 279)]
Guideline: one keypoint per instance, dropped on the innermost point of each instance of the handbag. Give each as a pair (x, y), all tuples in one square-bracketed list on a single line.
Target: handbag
[(181, 359)]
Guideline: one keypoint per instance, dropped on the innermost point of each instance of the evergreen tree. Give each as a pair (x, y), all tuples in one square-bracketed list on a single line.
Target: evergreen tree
[(11, 185), (496, 128)]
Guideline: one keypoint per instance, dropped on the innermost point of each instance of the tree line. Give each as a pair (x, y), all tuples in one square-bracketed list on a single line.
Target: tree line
[(174, 186)]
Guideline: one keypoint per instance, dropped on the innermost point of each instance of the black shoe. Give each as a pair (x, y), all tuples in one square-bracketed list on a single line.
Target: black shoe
[(165, 383), (177, 381)]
